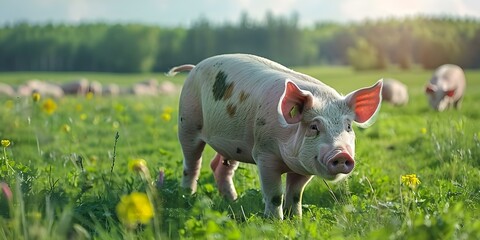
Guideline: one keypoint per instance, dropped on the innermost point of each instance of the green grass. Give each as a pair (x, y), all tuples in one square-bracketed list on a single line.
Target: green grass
[(64, 187)]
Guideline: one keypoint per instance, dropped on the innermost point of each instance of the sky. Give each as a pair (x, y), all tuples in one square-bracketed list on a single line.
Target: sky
[(186, 12)]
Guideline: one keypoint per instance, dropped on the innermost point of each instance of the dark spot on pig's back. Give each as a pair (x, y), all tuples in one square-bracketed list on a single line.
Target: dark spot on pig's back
[(243, 96), (220, 88), (231, 110), (228, 91), (239, 151)]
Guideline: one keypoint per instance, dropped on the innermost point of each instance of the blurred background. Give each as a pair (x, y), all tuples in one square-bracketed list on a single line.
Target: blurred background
[(152, 36)]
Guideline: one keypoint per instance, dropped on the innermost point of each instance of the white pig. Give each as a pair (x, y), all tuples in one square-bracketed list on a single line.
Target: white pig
[(394, 92), (252, 110), (446, 87)]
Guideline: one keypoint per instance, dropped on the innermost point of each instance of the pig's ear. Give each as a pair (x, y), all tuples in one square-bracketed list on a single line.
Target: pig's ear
[(293, 103), (450, 93), (366, 103), (429, 89)]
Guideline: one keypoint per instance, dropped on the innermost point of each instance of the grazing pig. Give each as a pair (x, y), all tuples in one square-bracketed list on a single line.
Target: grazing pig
[(446, 87), (95, 87), (111, 89), (252, 110), (78, 87), (167, 88), (6, 90), (44, 88), (394, 92)]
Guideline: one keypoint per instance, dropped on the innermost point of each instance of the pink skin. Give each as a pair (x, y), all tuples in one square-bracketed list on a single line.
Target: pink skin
[(252, 110)]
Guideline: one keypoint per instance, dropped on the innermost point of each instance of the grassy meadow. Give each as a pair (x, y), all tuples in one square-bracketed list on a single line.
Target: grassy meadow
[(72, 176)]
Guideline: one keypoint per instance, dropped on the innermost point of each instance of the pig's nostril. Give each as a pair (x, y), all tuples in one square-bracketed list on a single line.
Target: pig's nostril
[(348, 162), (335, 163)]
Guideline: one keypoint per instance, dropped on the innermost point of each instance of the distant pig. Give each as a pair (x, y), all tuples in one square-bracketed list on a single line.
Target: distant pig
[(394, 92), (78, 87), (253, 110), (446, 87), (6, 90)]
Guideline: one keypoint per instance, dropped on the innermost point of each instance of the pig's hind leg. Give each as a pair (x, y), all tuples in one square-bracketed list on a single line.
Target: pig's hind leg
[(223, 171), (190, 126)]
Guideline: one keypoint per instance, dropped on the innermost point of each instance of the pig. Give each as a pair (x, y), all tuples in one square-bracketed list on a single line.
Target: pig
[(167, 88), (394, 92), (44, 88), (6, 90), (252, 110), (111, 90), (78, 87), (140, 89), (95, 87), (146, 88), (446, 87)]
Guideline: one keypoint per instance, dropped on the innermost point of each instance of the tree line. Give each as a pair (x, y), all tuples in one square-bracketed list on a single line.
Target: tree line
[(424, 41)]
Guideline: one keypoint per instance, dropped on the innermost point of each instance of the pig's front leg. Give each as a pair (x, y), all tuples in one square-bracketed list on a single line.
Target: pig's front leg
[(293, 195), (271, 183)]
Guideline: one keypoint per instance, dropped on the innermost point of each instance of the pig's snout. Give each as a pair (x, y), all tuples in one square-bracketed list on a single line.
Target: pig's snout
[(340, 162)]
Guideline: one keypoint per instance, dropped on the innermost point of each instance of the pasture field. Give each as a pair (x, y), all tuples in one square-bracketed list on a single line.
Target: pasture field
[(417, 174)]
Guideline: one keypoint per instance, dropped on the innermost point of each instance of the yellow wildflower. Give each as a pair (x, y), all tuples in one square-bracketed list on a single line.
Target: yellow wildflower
[(115, 125), (78, 107), (166, 116), (138, 165), (83, 116), (36, 96), (49, 106), (134, 209), (66, 128), (9, 104), (89, 95), (410, 180), (5, 143), (423, 130)]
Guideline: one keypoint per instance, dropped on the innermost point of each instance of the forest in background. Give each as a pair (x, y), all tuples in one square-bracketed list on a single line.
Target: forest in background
[(375, 44)]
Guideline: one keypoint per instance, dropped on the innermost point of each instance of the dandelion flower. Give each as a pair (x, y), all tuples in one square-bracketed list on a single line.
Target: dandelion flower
[(423, 130), (66, 128), (134, 209), (49, 106), (138, 165), (36, 96), (9, 104), (410, 180), (5, 143), (83, 116), (78, 107), (166, 116), (89, 95)]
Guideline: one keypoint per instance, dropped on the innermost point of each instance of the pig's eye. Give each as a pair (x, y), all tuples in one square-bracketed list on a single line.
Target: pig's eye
[(314, 130), (349, 127)]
